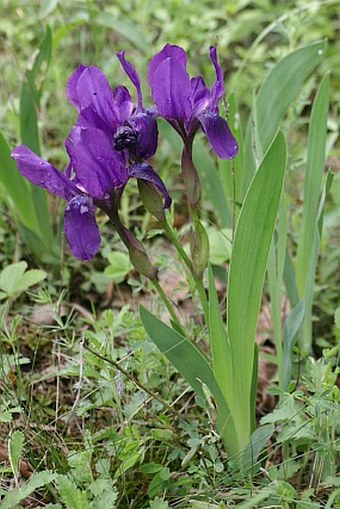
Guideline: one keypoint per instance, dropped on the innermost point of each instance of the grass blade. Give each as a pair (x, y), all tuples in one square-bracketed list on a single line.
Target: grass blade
[(316, 155), (291, 329), (252, 242)]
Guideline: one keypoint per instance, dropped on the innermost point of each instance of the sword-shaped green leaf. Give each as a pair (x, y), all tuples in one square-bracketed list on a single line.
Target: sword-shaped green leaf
[(249, 257)]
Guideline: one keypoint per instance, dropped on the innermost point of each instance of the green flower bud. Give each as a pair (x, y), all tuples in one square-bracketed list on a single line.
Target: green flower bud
[(138, 256), (190, 178), (152, 198), (199, 247)]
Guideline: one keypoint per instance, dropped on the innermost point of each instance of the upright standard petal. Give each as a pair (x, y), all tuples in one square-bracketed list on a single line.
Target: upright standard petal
[(219, 135), (43, 174), (81, 228), (169, 51), (217, 90), (122, 104), (133, 75), (147, 134), (88, 117), (71, 87), (200, 95), (145, 172), (96, 164), (91, 88), (171, 90)]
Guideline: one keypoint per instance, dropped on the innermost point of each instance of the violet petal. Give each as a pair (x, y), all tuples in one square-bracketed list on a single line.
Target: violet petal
[(219, 135), (81, 228), (200, 95), (71, 87), (145, 172), (171, 90), (169, 51), (217, 90), (147, 134), (133, 75), (122, 104), (43, 174), (93, 89), (96, 164)]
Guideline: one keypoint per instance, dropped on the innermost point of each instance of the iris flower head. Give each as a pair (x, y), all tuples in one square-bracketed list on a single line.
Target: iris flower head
[(187, 103), (110, 143)]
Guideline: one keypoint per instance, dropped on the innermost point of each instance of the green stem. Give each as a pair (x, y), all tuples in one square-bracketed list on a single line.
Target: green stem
[(168, 305), (171, 234)]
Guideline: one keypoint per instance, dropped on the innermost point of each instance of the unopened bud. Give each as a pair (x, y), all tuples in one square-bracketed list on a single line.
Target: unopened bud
[(138, 256), (191, 178), (152, 198), (199, 247)]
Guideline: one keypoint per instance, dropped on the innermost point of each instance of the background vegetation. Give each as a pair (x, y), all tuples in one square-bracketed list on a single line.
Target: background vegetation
[(91, 413)]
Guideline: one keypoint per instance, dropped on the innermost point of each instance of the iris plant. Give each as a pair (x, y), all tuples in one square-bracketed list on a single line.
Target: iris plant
[(110, 143)]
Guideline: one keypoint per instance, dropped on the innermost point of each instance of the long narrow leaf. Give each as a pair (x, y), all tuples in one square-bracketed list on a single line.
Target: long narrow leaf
[(195, 368), (29, 104), (220, 348), (17, 189), (316, 155), (252, 242), (274, 98)]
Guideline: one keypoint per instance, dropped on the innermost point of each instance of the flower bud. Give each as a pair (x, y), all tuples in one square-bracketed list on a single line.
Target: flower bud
[(191, 178), (138, 256), (152, 198), (199, 247)]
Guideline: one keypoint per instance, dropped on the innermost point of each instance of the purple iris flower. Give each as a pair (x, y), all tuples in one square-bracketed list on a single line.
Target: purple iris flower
[(132, 128), (107, 147), (188, 103), (82, 192)]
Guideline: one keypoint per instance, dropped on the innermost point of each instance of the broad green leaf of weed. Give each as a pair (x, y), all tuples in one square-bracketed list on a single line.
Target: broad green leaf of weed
[(14, 280), (256, 444), (11, 276), (15, 448), (70, 495), (104, 492), (37, 480), (119, 267)]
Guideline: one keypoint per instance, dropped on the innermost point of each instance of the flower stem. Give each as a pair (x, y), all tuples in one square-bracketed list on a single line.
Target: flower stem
[(172, 235), (168, 306)]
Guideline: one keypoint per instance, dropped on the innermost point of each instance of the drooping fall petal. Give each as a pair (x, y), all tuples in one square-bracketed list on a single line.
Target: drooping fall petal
[(219, 135), (81, 228), (43, 174)]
